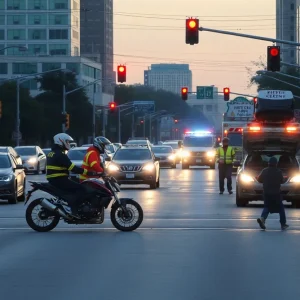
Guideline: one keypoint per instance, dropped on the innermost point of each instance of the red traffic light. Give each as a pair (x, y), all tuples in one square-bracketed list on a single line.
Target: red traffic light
[(192, 24), (112, 106), (184, 90), (176, 121), (121, 69), (192, 31), (121, 73), (226, 90), (255, 99), (184, 93), (274, 51)]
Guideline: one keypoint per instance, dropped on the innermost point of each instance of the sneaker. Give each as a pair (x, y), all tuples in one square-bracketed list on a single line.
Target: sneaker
[(221, 193), (284, 227), (261, 222), (230, 192)]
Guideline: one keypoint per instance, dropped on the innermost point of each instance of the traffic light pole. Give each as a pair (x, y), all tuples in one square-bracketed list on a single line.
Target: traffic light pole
[(127, 106), (249, 36)]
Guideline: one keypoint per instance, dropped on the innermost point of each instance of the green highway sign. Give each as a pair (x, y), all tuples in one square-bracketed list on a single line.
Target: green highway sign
[(205, 92)]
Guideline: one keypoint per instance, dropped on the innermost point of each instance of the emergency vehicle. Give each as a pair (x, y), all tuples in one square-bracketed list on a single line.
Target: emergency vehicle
[(273, 133), (198, 149)]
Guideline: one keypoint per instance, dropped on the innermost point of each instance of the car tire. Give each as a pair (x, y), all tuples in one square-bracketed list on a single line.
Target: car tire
[(22, 198), (240, 202), (185, 166), (37, 172), (153, 185), (14, 199)]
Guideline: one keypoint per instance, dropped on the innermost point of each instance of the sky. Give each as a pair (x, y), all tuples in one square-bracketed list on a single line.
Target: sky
[(153, 31)]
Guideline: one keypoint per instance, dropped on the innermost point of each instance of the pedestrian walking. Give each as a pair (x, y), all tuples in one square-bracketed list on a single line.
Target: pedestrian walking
[(225, 158), (272, 178)]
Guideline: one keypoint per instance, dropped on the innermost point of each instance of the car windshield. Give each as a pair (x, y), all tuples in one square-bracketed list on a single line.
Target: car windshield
[(157, 150), (4, 162), (173, 145), (260, 160), (235, 139), (199, 141), (137, 142), (26, 151), (77, 154), (133, 154)]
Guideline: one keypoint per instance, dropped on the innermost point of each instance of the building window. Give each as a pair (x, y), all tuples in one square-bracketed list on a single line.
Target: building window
[(2, 4), (58, 19), (16, 34), (16, 50), (16, 4), (75, 68), (3, 68), (16, 20), (292, 53), (58, 34), (76, 51), (62, 49), (24, 68), (40, 19), (1, 34), (50, 66), (37, 4), (37, 49), (59, 4), (2, 19), (37, 34)]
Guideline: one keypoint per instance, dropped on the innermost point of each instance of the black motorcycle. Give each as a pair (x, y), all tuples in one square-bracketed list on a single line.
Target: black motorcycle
[(44, 214)]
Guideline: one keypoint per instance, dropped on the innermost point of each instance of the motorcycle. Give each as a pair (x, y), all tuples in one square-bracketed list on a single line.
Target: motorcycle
[(126, 214)]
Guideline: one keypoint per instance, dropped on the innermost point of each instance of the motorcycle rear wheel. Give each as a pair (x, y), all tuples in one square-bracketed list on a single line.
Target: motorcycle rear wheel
[(36, 204), (122, 223)]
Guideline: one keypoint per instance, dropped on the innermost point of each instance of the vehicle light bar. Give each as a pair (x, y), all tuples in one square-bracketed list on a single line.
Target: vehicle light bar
[(291, 129), (254, 128)]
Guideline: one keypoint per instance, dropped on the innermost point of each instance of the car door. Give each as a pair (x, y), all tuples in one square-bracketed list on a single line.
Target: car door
[(19, 175), (41, 158)]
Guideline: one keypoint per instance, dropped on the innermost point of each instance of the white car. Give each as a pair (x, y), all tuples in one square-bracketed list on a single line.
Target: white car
[(33, 157)]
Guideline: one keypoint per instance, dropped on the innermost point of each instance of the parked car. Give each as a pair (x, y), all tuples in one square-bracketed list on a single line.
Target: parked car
[(34, 159), (12, 179), (13, 152)]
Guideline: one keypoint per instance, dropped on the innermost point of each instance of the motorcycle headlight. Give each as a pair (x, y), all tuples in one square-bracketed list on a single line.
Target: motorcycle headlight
[(210, 153), (172, 157), (32, 160), (246, 178), (148, 167), (185, 153), (113, 167), (295, 179), (6, 178)]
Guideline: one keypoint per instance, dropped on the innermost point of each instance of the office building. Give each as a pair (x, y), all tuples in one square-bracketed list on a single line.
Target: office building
[(96, 20), (168, 77), (288, 28)]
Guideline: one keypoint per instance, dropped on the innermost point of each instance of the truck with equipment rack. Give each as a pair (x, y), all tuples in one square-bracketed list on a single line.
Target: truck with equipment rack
[(273, 133)]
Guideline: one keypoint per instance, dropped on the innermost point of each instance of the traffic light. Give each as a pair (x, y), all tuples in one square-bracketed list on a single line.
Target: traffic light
[(255, 100), (175, 121), (0, 109), (112, 106), (121, 74), (226, 92), (184, 93), (192, 31), (273, 63), (66, 121)]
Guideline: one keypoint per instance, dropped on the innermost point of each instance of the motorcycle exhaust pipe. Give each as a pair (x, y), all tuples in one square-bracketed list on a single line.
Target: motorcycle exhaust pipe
[(48, 205)]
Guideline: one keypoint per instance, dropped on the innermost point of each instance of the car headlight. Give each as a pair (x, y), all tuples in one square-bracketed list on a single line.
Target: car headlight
[(210, 153), (148, 167), (185, 153), (295, 179), (32, 160), (246, 178), (172, 157), (6, 178), (113, 167)]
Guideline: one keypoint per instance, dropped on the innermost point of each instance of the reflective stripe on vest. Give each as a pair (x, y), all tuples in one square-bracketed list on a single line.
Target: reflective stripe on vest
[(229, 152), (87, 167), (56, 171)]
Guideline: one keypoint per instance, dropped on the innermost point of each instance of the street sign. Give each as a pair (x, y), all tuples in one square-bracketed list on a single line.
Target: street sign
[(16, 135), (240, 107), (205, 92), (144, 106)]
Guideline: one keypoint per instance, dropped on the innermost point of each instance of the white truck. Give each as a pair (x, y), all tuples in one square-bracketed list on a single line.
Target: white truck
[(198, 149)]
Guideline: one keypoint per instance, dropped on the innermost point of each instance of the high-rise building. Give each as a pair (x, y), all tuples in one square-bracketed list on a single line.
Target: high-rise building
[(287, 28), (96, 17), (45, 27), (169, 77)]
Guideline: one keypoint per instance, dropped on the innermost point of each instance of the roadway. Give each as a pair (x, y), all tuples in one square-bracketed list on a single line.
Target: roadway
[(193, 244)]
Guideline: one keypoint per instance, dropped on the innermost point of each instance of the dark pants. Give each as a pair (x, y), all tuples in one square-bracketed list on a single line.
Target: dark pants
[(269, 201), (225, 171), (70, 187)]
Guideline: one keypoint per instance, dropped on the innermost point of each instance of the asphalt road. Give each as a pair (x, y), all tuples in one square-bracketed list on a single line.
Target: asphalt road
[(193, 244)]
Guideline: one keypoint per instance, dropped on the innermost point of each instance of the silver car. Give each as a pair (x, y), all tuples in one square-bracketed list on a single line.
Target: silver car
[(33, 157), (249, 189)]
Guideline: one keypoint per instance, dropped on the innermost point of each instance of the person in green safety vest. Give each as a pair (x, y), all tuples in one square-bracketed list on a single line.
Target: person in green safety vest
[(225, 158)]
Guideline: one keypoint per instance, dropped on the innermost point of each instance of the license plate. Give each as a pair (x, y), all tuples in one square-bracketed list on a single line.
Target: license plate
[(198, 160), (129, 176)]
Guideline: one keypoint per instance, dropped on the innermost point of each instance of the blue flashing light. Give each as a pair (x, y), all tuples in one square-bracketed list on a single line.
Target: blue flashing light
[(198, 133)]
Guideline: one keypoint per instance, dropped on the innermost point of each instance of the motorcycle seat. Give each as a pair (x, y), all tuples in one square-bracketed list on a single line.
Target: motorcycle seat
[(47, 187)]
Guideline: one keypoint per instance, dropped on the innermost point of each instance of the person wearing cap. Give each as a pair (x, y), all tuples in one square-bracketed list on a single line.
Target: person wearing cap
[(272, 178), (225, 156)]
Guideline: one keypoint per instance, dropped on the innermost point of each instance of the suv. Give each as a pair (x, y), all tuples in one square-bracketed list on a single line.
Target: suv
[(134, 164)]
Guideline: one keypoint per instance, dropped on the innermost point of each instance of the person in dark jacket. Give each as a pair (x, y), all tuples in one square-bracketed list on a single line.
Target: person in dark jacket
[(58, 167), (272, 178)]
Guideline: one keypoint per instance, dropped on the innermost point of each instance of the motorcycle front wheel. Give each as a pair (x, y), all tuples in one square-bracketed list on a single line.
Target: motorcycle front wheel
[(130, 222), (39, 218)]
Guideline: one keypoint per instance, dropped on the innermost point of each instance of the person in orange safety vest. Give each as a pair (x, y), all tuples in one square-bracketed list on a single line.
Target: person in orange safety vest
[(92, 159)]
